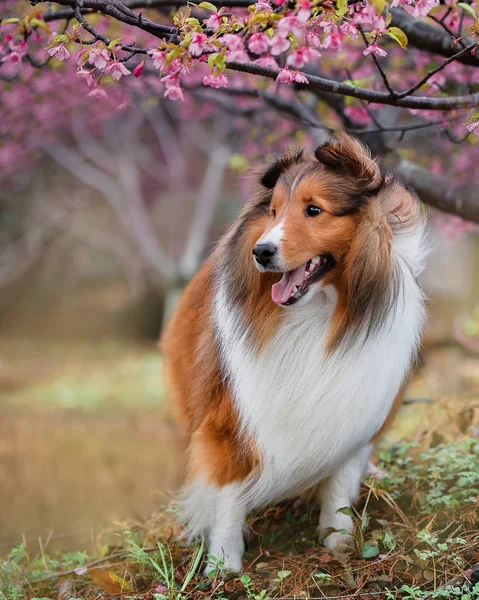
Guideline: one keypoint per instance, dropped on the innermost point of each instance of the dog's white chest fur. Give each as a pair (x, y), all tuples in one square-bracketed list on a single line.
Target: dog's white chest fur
[(308, 413)]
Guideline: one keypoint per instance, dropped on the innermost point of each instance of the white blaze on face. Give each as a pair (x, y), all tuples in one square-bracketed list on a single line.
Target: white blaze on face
[(273, 236)]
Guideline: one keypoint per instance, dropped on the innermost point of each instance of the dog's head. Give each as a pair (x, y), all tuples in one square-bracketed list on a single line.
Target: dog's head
[(323, 221)]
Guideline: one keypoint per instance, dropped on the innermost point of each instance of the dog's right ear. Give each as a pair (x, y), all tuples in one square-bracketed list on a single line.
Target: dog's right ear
[(280, 165)]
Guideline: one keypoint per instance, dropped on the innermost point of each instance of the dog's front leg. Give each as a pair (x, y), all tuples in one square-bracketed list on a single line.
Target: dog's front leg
[(225, 541), (338, 491)]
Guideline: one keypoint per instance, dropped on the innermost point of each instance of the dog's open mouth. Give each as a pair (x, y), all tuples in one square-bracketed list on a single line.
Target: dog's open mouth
[(294, 284)]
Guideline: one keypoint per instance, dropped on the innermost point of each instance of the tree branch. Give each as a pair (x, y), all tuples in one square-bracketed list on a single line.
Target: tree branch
[(441, 192)]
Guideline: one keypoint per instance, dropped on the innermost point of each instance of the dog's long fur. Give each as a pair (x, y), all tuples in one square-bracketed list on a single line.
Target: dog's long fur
[(274, 399)]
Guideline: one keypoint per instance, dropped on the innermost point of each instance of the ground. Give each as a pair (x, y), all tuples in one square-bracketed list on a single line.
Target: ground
[(417, 532)]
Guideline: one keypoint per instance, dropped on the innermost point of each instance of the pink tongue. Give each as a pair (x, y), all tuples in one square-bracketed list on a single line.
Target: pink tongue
[(281, 292)]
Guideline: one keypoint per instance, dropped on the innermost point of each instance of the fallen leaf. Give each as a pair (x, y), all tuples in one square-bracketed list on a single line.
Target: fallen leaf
[(65, 590), (110, 582)]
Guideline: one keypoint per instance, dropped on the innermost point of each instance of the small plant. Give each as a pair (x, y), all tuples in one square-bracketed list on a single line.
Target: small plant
[(162, 563), (249, 588)]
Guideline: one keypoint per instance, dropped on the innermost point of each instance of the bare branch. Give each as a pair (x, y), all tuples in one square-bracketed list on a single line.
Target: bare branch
[(442, 193)]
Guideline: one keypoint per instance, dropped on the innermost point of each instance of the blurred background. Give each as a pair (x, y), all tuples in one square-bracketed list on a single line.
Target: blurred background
[(100, 230)]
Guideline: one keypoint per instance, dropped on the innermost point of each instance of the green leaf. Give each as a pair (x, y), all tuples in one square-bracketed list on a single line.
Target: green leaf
[(380, 6), (369, 551), (342, 8), (346, 511), (245, 579), (283, 574), (208, 6), (114, 43), (468, 8), (398, 36)]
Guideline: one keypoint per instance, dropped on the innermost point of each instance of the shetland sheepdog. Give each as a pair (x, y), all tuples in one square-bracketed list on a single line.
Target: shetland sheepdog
[(289, 349)]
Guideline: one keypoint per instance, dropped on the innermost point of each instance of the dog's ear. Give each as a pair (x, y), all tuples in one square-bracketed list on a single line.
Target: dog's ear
[(346, 156), (270, 177)]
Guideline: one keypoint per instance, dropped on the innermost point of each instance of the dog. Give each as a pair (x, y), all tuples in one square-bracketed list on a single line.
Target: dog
[(289, 349)]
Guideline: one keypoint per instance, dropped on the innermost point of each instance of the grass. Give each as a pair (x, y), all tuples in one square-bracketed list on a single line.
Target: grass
[(417, 538)]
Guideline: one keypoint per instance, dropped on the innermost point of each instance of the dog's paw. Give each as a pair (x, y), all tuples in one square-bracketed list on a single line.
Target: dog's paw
[(222, 569), (339, 542)]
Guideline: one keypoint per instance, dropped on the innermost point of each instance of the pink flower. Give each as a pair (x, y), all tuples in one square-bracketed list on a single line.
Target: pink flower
[(302, 56), (349, 29), (215, 21), (216, 81), (236, 50), (287, 76), (422, 7), (279, 45), (97, 93), (233, 41), (374, 49), (294, 24), (173, 90), (263, 6), (268, 62), (174, 93), (159, 58), (199, 43), (87, 76), (258, 43), (99, 57), (138, 70), (60, 52), (116, 69), (473, 128), (81, 56)]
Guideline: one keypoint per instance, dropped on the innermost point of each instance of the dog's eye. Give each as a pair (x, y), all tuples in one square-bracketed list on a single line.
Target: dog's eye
[(312, 210), (273, 213)]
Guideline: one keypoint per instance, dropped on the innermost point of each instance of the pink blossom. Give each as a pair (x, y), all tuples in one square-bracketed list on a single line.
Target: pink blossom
[(422, 7), (287, 76), (328, 26), (268, 62), (199, 42), (233, 42), (159, 58), (116, 69), (473, 128), (97, 93), (216, 81), (173, 90), (87, 76), (138, 70), (81, 56), (312, 39), (294, 24), (258, 43), (99, 57), (302, 56), (263, 6), (215, 21), (279, 45), (349, 29), (374, 49), (174, 93), (60, 52)]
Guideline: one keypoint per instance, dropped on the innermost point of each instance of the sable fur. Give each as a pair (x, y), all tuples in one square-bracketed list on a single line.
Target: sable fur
[(372, 227)]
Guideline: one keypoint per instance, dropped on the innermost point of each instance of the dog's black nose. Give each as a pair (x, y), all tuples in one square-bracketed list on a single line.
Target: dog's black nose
[(264, 253)]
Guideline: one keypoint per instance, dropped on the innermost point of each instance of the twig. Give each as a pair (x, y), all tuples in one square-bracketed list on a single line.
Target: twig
[(439, 68)]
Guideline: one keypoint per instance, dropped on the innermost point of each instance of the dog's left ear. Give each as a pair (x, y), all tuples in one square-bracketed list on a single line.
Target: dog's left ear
[(346, 156), (280, 165)]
